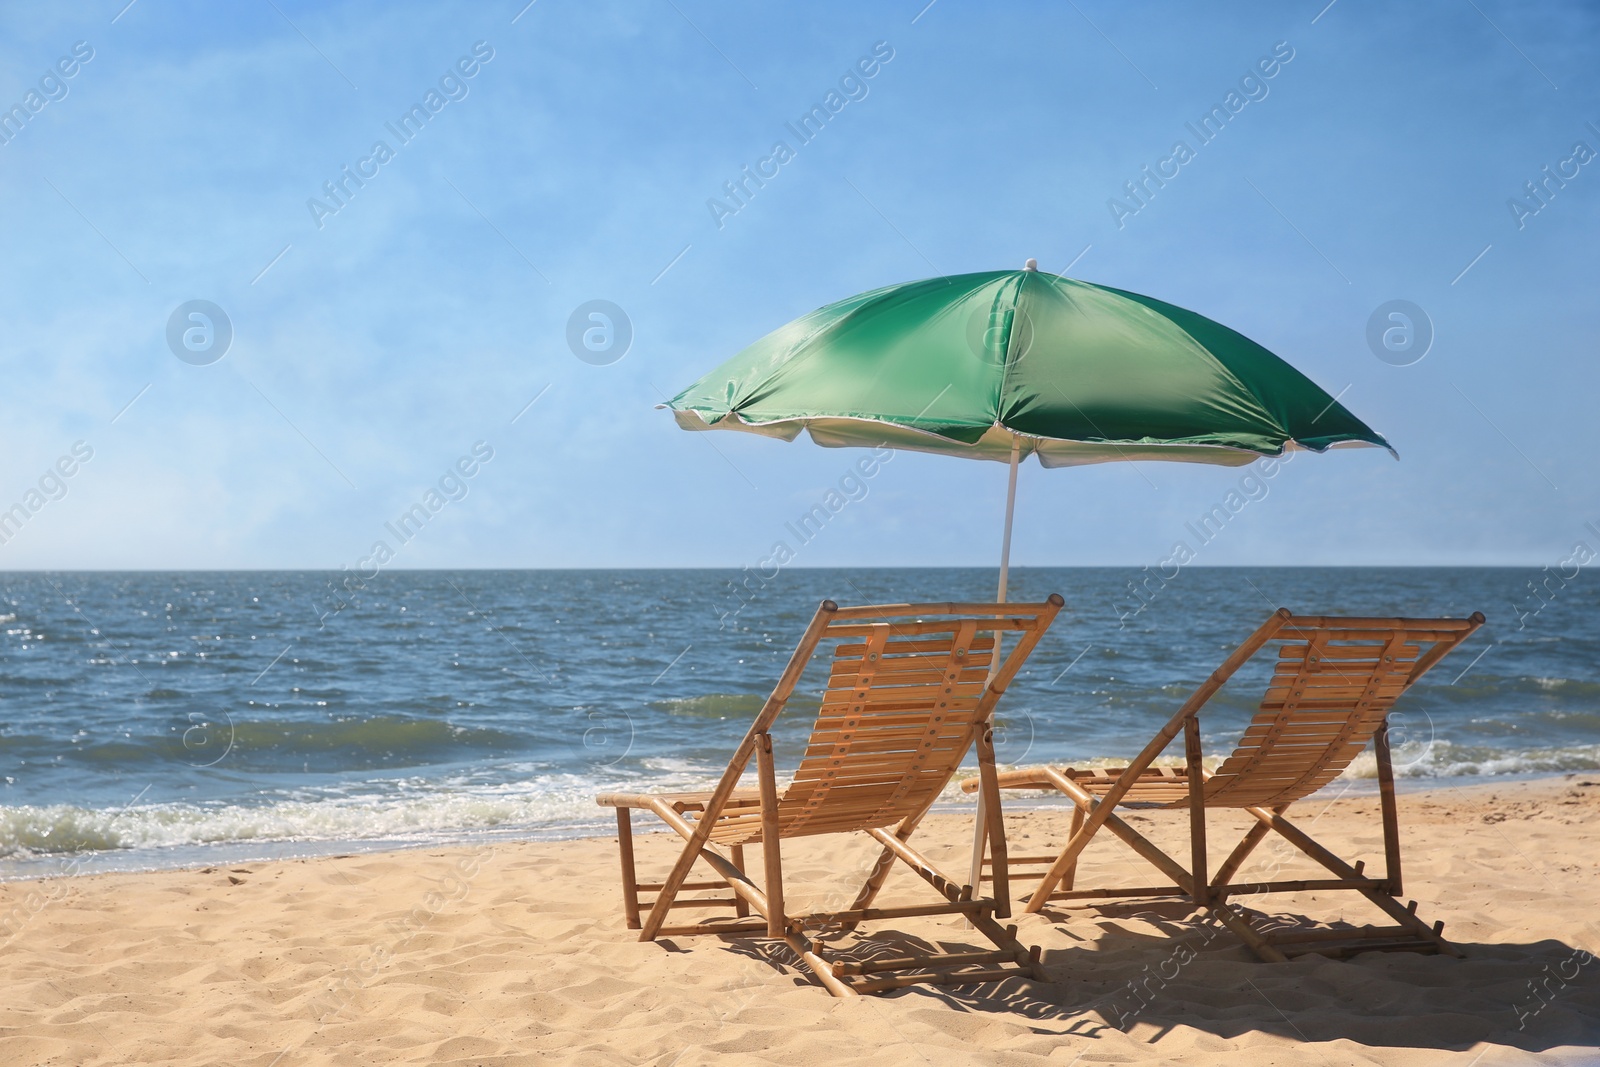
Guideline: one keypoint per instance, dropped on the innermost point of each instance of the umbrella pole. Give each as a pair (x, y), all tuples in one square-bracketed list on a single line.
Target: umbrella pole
[(1005, 545), (980, 836)]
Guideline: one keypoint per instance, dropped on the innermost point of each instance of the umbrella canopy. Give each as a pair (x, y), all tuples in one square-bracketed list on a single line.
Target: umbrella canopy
[(1001, 364)]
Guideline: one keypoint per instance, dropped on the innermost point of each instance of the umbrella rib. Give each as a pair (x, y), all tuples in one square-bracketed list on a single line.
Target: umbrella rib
[(1005, 358)]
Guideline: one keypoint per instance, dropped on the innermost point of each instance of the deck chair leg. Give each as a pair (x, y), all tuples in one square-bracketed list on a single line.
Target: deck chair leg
[(771, 836), (630, 880), (992, 821), (772, 862), (1194, 756), (741, 906), (1069, 875), (1391, 814), (980, 839)]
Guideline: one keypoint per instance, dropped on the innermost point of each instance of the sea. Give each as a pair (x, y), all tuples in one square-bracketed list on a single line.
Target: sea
[(155, 720)]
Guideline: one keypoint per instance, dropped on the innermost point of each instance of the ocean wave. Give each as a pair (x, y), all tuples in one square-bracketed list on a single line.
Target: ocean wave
[(1435, 759), (1571, 688), (342, 743), (543, 803), (382, 734), (712, 706), (1446, 759), (417, 811)]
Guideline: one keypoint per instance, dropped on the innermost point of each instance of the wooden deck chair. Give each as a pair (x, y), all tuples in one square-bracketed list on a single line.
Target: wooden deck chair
[(1329, 695), (912, 687)]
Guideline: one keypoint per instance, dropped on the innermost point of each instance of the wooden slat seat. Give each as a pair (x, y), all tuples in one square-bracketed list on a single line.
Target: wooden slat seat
[(1327, 700), (910, 689)]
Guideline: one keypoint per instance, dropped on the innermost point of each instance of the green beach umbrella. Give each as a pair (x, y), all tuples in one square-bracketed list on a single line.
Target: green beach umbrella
[(1001, 365)]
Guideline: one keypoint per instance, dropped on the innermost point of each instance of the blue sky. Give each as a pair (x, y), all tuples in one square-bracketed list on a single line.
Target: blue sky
[(369, 354)]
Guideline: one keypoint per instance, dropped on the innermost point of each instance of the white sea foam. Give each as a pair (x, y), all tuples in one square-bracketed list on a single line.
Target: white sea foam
[(402, 812), (538, 804), (1444, 759)]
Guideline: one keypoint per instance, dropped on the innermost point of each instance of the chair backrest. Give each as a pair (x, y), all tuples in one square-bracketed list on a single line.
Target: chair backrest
[(909, 687), (1333, 685)]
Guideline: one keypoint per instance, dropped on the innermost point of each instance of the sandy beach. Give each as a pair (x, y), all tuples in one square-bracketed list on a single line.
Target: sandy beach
[(791, 411), (512, 954)]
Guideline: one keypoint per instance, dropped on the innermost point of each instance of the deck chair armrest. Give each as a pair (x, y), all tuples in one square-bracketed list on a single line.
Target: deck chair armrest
[(1027, 778), (680, 802), (623, 800), (1098, 780)]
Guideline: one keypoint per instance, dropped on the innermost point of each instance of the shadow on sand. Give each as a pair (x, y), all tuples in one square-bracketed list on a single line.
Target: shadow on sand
[(1532, 997)]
